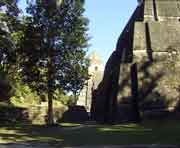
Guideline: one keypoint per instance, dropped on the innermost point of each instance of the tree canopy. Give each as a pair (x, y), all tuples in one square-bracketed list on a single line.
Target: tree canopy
[(8, 26), (52, 51)]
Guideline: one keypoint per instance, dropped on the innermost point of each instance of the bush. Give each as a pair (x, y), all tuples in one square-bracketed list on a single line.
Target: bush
[(23, 96)]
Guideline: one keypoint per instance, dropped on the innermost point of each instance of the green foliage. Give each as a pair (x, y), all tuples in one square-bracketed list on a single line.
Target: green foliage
[(8, 25), (23, 96), (52, 48), (65, 99), (45, 49), (60, 96), (52, 52)]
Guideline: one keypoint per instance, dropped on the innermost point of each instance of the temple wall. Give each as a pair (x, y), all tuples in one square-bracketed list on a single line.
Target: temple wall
[(164, 9), (148, 10), (156, 50), (124, 89), (159, 80), (151, 39), (168, 8), (163, 36), (158, 77)]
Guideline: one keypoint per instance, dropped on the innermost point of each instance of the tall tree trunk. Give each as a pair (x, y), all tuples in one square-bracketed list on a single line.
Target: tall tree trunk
[(50, 120), (50, 117)]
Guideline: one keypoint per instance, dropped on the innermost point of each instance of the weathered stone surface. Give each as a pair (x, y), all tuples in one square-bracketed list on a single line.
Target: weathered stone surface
[(13, 114), (95, 71), (168, 8), (148, 10), (163, 36), (33, 114), (163, 9), (151, 41), (75, 114)]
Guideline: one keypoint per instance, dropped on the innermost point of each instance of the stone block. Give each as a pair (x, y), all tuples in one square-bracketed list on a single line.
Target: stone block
[(75, 114), (163, 36), (168, 8)]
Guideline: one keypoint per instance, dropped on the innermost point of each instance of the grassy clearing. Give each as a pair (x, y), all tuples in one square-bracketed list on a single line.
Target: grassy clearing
[(151, 132)]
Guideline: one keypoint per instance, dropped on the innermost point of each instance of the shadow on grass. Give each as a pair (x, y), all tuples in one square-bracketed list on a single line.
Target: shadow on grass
[(161, 132)]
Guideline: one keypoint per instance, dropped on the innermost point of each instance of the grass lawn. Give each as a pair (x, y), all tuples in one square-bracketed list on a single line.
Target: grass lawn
[(151, 132)]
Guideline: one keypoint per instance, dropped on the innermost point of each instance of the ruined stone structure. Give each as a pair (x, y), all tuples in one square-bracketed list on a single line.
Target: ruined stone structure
[(144, 70), (95, 71)]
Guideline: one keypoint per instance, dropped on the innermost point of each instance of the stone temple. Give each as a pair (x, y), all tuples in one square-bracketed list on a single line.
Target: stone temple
[(145, 67), (95, 71)]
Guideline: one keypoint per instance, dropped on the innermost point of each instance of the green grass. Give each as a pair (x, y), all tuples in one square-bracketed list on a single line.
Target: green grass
[(151, 132)]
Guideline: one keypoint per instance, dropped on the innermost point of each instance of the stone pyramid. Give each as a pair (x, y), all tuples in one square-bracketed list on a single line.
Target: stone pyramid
[(144, 70)]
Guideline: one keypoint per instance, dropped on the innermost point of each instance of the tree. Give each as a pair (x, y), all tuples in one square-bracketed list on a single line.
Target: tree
[(52, 54), (8, 26)]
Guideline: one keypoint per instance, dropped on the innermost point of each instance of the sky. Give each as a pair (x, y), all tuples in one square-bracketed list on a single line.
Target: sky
[(106, 22)]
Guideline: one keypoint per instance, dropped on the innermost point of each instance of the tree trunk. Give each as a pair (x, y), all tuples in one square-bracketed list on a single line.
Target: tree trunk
[(50, 117)]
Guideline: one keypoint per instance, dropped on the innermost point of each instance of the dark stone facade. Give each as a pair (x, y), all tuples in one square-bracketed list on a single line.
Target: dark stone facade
[(13, 115), (142, 73), (75, 114)]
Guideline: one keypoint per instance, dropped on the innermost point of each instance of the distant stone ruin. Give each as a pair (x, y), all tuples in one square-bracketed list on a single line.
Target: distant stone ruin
[(143, 73), (95, 70)]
